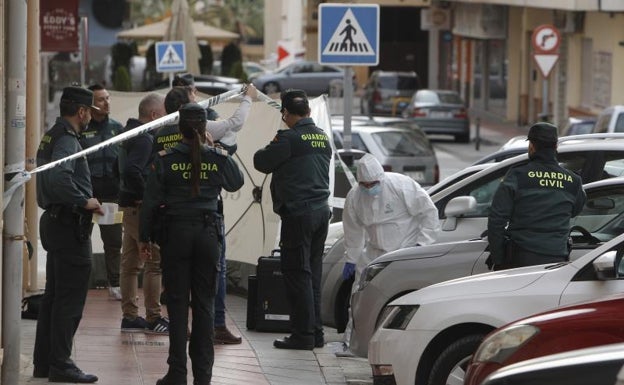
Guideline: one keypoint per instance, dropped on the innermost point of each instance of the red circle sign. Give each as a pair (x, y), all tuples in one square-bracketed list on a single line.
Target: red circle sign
[(546, 39)]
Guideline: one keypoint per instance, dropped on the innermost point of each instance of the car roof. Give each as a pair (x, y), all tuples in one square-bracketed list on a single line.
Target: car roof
[(615, 143), (395, 73), (371, 129)]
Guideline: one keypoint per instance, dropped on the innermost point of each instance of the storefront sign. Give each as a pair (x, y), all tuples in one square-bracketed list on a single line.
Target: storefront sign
[(59, 25)]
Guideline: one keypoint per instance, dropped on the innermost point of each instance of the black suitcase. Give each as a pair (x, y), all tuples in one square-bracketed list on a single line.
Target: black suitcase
[(272, 310)]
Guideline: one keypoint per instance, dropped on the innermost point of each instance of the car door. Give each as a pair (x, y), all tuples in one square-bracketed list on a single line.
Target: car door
[(585, 284), (591, 165)]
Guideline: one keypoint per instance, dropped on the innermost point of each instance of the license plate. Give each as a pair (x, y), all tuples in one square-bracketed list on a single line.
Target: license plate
[(418, 176), (439, 114)]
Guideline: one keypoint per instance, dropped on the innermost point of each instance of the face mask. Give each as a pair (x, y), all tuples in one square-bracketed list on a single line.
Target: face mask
[(375, 190)]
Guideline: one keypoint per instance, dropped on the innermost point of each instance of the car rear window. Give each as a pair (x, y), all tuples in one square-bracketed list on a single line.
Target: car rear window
[(399, 82), (448, 98), (400, 143)]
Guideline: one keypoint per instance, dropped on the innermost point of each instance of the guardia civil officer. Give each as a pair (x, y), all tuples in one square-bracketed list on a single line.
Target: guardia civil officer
[(183, 185), (529, 220), (105, 179), (65, 193), (298, 158)]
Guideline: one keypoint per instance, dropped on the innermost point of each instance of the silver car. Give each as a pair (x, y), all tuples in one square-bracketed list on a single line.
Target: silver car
[(309, 76), (402, 271), (592, 159), (387, 93), (397, 149), (440, 112)]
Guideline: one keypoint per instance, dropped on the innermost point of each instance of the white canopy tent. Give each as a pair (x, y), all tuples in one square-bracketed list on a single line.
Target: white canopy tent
[(156, 31)]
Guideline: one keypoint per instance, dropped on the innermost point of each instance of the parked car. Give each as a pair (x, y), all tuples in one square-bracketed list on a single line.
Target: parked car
[(592, 157), (589, 324), (429, 335), (387, 93), (252, 69), (579, 126), (611, 119), (440, 112), (596, 366), (208, 84), (397, 273), (397, 149), (309, 76)]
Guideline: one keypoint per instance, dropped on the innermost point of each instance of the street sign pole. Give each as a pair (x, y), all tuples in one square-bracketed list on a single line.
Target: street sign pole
[(545, 41), (347, 109), (348, 35)]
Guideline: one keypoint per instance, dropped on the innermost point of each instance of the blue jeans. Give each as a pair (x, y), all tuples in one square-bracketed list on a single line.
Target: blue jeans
[(219, 318)]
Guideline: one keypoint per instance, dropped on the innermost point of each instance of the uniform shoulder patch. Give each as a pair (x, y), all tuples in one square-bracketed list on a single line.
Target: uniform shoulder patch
[(164, 152), (221, 151)]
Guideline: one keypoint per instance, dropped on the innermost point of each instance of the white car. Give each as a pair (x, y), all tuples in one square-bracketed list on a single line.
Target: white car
[(397, 273), (463, 206), (428, 336)]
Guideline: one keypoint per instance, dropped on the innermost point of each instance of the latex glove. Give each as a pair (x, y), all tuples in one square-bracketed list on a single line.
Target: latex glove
[(348, 271)]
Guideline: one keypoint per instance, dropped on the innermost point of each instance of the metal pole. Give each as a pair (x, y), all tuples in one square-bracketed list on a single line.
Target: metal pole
[(33, 134), (13, 234), (348, 108), (477, 133), (545, 100)]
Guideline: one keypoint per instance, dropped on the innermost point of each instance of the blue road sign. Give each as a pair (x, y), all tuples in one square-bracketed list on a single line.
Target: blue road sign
[(349, 34), (170, 56)]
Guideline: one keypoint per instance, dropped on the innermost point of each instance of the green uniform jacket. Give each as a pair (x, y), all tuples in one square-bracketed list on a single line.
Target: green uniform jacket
[(169, 184), (69, 183), (103, 163), (535, 202), (299, 160), (166, 137)]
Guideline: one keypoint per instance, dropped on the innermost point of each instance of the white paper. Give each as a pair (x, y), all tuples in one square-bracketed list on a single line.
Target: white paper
[(111, 216)]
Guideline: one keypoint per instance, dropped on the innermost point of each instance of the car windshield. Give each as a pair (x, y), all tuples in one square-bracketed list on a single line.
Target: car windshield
[(449, 98), (398, 82), (400, 143)]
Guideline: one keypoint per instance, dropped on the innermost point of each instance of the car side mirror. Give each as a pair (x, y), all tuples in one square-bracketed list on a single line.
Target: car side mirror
[(604, 266), (457, 207)]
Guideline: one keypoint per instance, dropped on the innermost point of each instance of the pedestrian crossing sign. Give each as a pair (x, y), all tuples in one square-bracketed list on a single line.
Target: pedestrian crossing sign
[(170, 56), (349, 34)]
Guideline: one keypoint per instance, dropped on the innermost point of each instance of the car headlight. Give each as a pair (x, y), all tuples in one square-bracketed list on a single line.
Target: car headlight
[(502, 344), (369, 273), (399, 316)]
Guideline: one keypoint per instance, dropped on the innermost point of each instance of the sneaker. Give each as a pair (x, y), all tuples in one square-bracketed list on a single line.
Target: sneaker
[(222, 335), (139, 324), (160, 326), (114, 293)]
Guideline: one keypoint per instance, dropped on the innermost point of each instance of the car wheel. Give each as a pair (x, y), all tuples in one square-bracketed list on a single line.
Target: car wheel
[(450, 367), (271, 88), (342, 303), (463, 138)]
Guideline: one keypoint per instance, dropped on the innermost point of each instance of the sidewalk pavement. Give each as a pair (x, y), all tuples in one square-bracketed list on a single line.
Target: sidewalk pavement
[(140, 359)]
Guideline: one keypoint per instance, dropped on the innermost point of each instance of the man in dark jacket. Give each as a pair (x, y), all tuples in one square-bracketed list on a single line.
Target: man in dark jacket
[(529, 221), (135, 157), (104, 179), (64, 193), (299, 158)]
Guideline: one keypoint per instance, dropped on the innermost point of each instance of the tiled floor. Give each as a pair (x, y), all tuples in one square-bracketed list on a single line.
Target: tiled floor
[(138, 358)]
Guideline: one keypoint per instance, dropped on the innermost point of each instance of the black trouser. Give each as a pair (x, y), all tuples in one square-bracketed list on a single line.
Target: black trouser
[(190, 260), (67, 279), (111, 238), (302, 242), (522, 257)]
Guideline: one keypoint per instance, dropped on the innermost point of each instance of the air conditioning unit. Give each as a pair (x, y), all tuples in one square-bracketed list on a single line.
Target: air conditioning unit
[(569, 21)]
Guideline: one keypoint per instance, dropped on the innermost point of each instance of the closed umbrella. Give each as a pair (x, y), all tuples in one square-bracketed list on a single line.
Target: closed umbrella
[(180, 28)]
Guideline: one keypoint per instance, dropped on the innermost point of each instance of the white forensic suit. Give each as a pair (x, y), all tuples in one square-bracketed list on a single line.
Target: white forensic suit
[(399, 214)]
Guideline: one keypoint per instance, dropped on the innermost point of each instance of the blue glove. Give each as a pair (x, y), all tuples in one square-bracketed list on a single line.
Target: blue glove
[(348, 271)]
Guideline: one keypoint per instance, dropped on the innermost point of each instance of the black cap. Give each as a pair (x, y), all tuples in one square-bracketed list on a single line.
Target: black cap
[(292, 98), (192, 112), (185, 79), (543, 132), (78, 95), (212, 114)]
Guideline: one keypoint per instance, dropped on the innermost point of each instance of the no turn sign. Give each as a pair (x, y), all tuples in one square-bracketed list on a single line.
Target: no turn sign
[(545, 40)]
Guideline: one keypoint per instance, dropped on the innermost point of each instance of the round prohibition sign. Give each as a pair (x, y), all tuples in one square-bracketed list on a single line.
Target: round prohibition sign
[(546, 39)]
